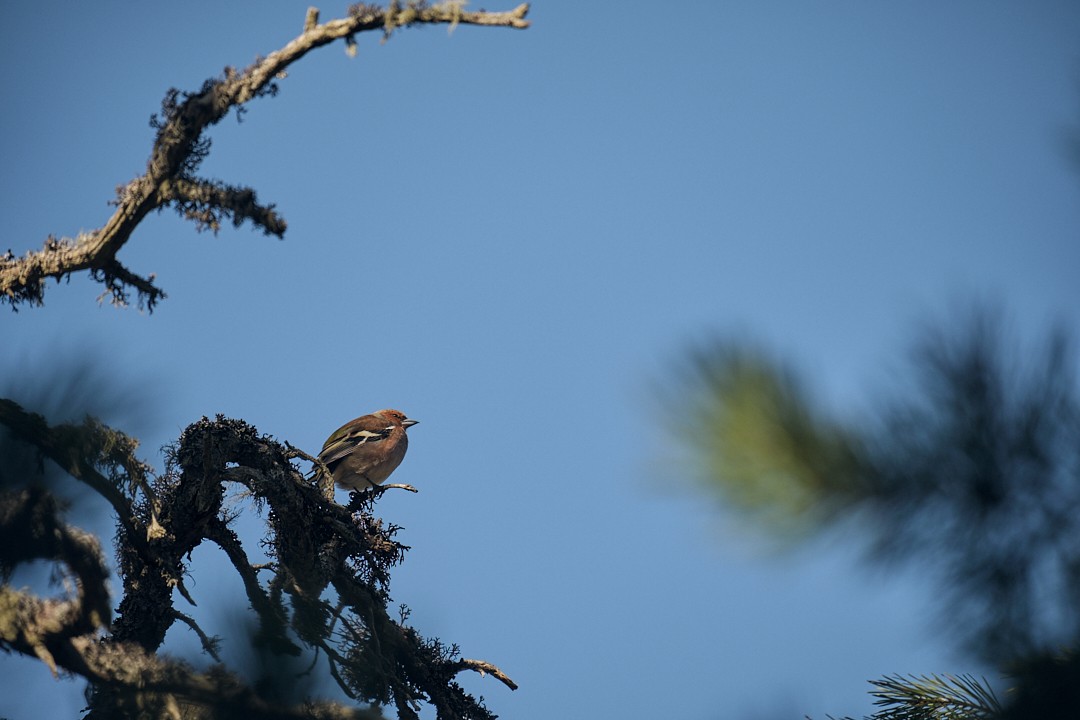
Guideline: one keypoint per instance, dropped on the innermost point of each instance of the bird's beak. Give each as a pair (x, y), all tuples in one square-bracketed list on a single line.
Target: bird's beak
[(408, 423)]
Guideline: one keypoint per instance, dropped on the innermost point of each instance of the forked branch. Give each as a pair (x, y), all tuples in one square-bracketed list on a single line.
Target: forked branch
[(180, 148)]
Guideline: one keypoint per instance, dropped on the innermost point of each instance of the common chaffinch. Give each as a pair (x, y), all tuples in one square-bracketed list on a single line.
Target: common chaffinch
[(363, 452)]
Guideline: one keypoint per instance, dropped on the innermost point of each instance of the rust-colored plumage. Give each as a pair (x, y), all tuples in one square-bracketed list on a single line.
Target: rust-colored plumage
[(365, 451)]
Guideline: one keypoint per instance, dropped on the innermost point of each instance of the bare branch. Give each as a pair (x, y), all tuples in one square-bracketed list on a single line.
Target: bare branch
[(180, 148), (484, 667)]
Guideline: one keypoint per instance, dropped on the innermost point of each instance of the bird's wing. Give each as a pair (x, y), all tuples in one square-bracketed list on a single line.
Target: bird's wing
[(350, 437)]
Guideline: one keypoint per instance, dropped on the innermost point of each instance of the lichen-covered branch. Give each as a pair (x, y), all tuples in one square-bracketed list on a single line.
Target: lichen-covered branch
[(31, 528), (327, 587), (317, 546), (99, 456), (141, 684), (207, 203), (180, 147)]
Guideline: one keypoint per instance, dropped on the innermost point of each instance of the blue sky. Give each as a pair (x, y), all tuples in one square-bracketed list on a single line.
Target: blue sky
[(510, 236)]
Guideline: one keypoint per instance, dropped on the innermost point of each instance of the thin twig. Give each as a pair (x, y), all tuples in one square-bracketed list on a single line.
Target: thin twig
[(209, 644)]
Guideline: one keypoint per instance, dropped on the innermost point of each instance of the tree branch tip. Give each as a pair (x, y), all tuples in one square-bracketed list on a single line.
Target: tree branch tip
[(483, 667), (179, 584), (46, 657), (208, 643), (172, 707), (154, 531)]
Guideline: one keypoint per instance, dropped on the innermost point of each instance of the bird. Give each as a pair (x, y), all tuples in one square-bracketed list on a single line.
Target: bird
[(363, 452)]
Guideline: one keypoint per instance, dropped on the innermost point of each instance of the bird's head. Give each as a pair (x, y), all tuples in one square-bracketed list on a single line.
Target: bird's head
[(396, 416)]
